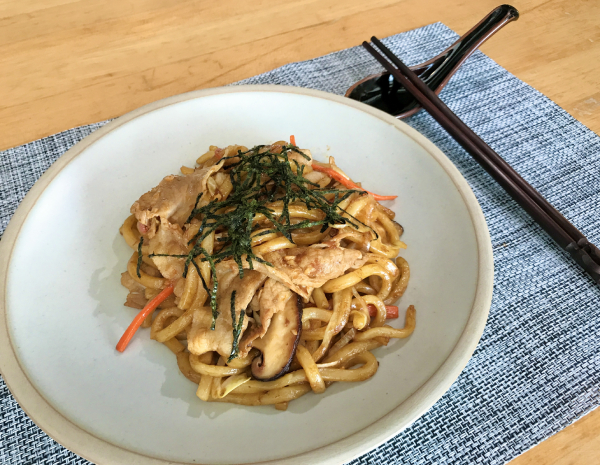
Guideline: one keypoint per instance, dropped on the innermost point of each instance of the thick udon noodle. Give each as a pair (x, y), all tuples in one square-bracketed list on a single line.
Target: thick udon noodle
[(338, 333)]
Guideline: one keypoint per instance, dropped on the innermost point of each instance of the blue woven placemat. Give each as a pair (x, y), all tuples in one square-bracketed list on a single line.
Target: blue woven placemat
[(537, 367)]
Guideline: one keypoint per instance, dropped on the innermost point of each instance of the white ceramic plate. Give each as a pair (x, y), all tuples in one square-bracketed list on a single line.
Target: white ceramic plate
[(62, 304)]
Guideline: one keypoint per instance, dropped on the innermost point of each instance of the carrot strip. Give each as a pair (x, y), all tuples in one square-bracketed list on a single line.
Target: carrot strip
[(140, 317), (391, 311), (347, 182), (293, 140)]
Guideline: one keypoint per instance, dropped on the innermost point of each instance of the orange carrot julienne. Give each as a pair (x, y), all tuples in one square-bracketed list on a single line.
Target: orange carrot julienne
[(347, 182), (140, 317), (391, 311), (293, 140)]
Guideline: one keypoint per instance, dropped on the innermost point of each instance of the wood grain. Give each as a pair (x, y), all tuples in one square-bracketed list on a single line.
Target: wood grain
[(68, 62), (578, 444)]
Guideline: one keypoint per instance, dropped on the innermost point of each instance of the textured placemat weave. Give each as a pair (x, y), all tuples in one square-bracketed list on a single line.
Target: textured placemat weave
[(537, 367)]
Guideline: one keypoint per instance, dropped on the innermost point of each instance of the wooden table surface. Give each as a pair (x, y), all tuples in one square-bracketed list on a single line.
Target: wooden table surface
[(66, 63)]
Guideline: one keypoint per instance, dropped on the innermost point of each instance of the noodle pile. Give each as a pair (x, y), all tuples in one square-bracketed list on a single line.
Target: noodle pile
[(250, 241)]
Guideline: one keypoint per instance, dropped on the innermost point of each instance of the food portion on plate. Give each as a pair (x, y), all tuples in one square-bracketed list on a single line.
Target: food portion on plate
[(267, 274)]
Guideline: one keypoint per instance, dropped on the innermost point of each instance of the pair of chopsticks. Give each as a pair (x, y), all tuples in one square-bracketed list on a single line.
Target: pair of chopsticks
[(556, 225)]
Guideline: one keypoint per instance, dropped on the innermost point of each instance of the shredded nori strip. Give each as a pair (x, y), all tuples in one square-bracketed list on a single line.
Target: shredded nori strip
[(237, 329), (259, 177), (193, 209), (139, 260)]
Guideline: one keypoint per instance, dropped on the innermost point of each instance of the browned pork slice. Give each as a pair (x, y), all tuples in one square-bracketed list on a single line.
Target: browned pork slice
[(169, 239), (304, 268), (227, 271), (273, 298), (314, 266), (278, 346), (202, 339), (174, 198)]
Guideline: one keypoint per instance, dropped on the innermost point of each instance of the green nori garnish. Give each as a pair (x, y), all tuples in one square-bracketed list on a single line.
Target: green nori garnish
[(259, 177), (195, 206), (237, 329), (139, 260)]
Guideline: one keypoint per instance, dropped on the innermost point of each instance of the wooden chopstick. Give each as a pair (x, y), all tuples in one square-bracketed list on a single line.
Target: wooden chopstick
[(493, 156), (556, 225)]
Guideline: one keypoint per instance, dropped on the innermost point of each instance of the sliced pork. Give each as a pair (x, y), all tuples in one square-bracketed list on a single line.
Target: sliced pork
[(304, 268), (174, 198), (273, 299), (202, 339), (169, 239)]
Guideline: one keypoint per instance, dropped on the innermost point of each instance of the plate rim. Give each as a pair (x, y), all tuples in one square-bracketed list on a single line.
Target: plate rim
[(97, 450)]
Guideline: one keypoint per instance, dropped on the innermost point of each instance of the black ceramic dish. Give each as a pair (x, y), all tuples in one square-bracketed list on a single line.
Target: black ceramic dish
[(384, 92)]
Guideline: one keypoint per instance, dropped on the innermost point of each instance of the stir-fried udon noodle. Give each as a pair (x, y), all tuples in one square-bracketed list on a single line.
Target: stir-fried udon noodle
[(267, 274)]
